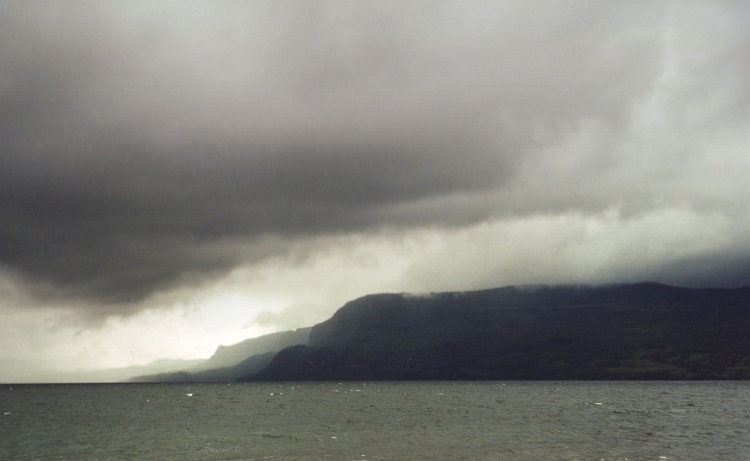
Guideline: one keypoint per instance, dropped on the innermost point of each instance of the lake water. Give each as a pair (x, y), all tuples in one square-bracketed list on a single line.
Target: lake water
[(377, 421)]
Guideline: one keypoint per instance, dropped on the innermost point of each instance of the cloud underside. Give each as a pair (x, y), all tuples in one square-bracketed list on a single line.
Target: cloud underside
[(144, 148)]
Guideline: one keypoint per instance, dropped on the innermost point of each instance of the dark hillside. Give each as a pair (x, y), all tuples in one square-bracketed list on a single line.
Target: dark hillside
[(641, 331)]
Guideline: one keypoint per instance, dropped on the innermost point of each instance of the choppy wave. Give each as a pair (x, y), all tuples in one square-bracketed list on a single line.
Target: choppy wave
[(378, 421)]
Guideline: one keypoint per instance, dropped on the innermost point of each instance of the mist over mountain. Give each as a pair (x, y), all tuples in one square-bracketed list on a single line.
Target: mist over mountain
[(178, 175), (638, 331), (226, 356), (231, 362)]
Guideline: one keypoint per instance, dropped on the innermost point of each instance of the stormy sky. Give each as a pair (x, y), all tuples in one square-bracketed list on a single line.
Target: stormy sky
[(178, 175)]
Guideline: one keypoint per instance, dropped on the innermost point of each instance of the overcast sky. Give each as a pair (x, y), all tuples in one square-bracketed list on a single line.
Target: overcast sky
[(178, 175)]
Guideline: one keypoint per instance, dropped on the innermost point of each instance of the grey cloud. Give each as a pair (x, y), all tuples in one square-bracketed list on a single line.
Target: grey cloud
[(143, 146), (726, 269)]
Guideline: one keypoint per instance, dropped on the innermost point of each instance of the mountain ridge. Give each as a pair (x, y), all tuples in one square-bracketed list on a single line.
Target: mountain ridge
[(627, 331), (226, 356), (231, 362)]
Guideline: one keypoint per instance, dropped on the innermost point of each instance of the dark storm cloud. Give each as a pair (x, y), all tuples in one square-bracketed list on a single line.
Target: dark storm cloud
[(144, 146)]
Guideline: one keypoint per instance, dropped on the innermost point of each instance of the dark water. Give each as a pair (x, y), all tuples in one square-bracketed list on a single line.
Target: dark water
[(377, 421)]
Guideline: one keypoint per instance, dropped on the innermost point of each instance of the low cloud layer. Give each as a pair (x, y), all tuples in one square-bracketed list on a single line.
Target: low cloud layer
[(145, 148)]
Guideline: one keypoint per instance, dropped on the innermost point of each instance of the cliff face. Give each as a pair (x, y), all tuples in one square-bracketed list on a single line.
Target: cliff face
[(227, 356), (369, 314), (642, 331)]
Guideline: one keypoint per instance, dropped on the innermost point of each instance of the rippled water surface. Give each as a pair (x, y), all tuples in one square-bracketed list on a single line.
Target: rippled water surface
[(377, 421)]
